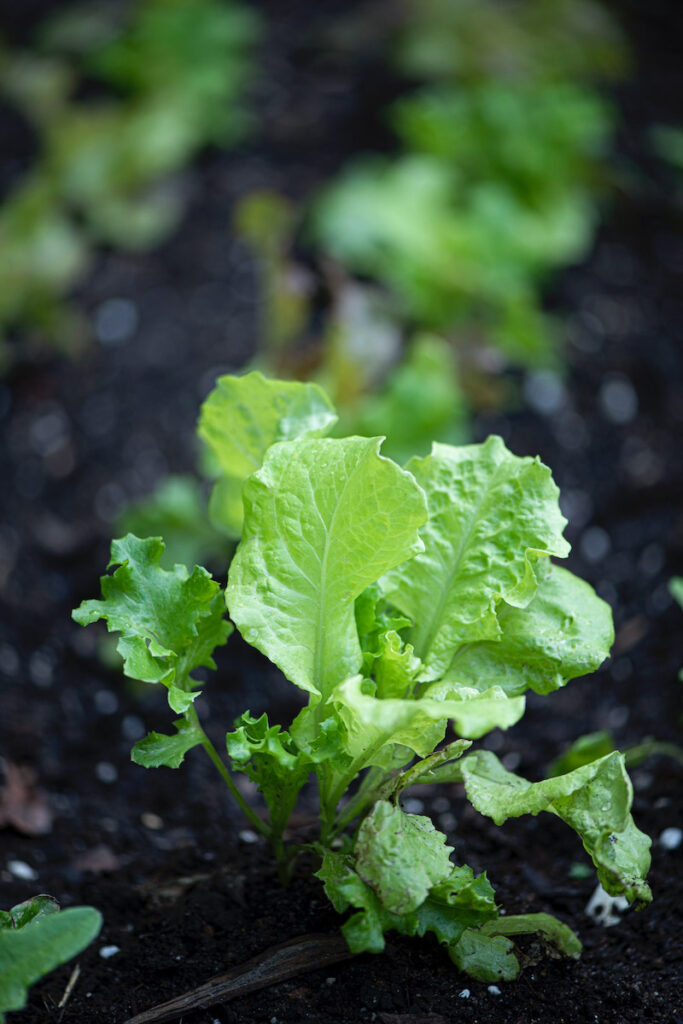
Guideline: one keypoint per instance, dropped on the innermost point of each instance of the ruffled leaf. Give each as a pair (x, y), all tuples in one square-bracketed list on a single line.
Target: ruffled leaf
[(594, 800), (170, 621), (492, 516), (270, 758), (459, 901), (373, 725), (565, 632), (401, 856), (157, 749)]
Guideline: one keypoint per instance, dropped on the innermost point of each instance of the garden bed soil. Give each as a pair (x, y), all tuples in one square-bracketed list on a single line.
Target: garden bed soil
[(184, 890)]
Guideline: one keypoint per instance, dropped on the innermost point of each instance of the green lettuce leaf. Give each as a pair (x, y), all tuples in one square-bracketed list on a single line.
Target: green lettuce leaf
[(553, 931), (242, 418), (323, 520), (270, 758), (157, 749), (594, 800), (401, 856), (565, 632), (372, 725), (458, 902), (45, 942), (170, 621), (29, 910), (485, 957), (587, 748), (492, 516), (395, 667)]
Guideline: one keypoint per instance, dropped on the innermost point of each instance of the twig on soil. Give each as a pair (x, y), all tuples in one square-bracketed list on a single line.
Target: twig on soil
[(75, 974), (305, 953)]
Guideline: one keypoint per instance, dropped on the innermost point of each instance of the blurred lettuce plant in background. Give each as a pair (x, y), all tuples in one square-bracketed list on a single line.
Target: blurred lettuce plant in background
[(164, 79), (502, 163)]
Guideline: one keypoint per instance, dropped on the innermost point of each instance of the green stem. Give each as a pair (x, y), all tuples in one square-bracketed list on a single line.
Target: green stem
[(247, 811), (366, 792), (331, 794), (637, 754)]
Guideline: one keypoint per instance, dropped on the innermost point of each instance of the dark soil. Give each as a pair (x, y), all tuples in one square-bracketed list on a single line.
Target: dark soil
[(184, 891)]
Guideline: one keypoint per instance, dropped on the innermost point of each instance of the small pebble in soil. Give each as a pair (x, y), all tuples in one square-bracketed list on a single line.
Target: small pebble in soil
[(247, 835), (652, 559), (41, 668), (671, 838), (330, 981), (108, 951), (494, 990), (544, 392), (465, 994), (412, 805), (20, 869), (618, 400), (642, 781), (605, 909), (153, 821), (132, 727), (115, 321), (106, 702), (594, 544), (9, 659), (106, 772)]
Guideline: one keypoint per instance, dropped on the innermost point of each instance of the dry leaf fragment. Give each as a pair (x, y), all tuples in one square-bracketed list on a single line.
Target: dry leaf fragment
[(22, 806)]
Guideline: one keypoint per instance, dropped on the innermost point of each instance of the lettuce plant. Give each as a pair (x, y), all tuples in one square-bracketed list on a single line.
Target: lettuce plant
[(35, 937), (414, 607)]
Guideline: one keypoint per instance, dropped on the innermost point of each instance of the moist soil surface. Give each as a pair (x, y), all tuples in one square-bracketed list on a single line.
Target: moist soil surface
[(185, 888)]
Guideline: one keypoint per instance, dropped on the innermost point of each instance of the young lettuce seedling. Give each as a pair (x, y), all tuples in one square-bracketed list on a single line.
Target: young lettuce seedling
[(35, 937), (403, 601)]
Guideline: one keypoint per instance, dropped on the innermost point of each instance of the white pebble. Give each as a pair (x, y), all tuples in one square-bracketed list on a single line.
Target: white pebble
[(116, 321), (108, 951), (595, 544), (411, 805), (152, 821), (247, 835), (544, 392), (465, 994), (106, 702), (618, 400), (605, 909), (671, 838), (106, 772), (494, 990), (20, 869)]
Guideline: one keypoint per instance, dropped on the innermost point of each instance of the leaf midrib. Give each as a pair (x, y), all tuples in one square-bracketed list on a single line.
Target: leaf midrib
[(423, 651), (322, 605)]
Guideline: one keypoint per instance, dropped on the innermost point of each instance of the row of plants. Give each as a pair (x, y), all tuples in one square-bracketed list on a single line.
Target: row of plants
[(500, 164), (339, 550), (434, 257)]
